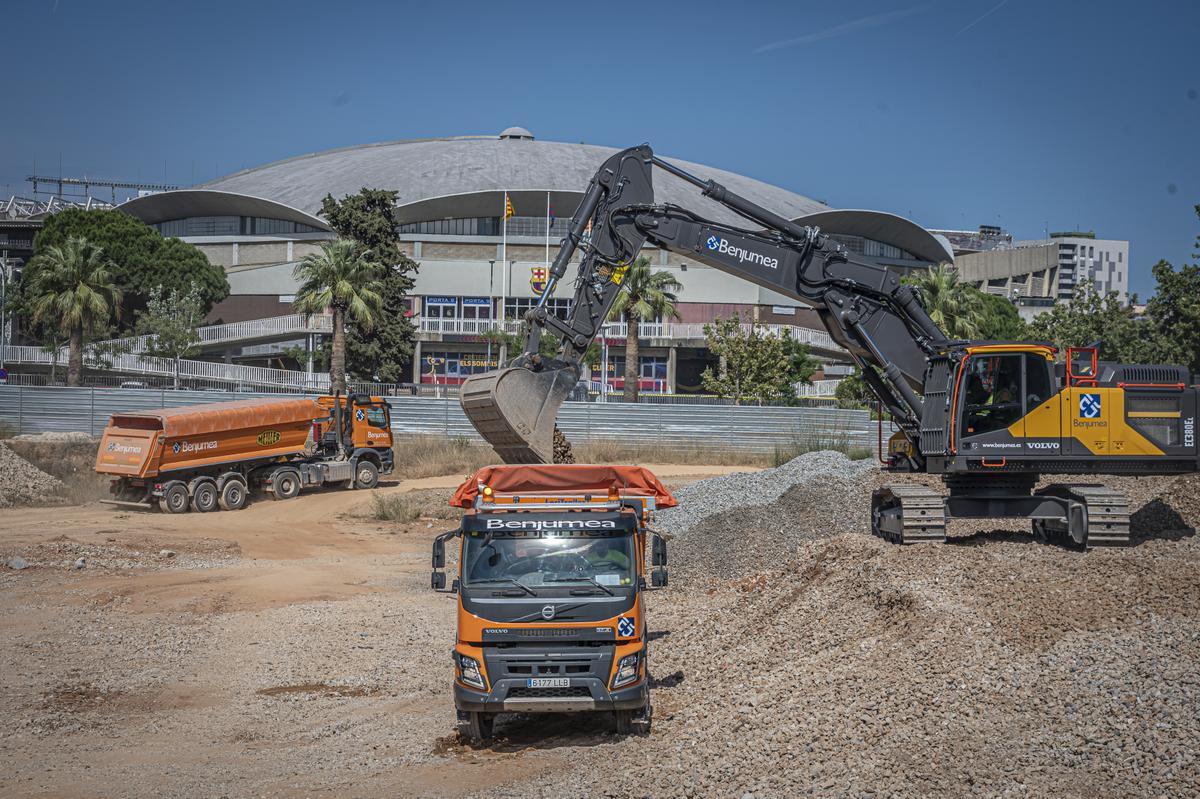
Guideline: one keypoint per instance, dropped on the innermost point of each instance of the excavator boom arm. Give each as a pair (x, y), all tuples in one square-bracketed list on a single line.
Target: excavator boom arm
[(865, 307)]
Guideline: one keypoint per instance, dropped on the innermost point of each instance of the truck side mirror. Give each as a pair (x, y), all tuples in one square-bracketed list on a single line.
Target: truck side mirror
[(658, 578), (437, 579), (658, 552)]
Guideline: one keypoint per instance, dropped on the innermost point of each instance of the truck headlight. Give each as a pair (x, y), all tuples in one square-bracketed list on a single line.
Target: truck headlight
[(468, 670), (627, 670)]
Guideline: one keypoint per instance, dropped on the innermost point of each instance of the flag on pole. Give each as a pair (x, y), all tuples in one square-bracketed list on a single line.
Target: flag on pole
[(508, 208)]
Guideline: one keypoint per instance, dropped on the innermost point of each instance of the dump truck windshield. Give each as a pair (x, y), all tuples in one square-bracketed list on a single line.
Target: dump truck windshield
[(603, 558)]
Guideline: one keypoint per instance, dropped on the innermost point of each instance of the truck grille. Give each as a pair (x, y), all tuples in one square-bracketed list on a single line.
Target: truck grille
[(577, 691)]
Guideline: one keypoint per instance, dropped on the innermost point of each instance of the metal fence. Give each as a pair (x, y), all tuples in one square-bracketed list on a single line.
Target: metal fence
[(39, 409), (819, 394)]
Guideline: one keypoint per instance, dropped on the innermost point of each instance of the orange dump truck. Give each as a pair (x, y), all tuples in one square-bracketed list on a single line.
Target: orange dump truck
[(205, 457), (550, 587)]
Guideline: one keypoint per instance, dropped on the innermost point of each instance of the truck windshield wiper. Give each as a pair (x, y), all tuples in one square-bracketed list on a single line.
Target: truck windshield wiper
[(518, 583), (584, 578)]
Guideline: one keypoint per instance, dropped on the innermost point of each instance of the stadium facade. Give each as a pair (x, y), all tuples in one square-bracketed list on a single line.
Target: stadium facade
[(478, 270)]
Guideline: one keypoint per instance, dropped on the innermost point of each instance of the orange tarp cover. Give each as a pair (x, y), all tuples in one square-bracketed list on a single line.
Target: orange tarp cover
[(565, 478), (213, 417)]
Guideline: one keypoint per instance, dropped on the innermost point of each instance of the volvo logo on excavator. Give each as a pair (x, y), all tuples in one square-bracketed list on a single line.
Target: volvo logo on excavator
[(722, 246)]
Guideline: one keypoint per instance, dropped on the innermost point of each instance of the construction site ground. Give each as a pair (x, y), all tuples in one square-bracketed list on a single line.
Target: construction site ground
[(294, 649)]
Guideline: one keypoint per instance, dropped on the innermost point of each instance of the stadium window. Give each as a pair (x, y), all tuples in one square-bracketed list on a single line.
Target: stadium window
[(441, 308), (515, 307), (652, 367), (476, 308)]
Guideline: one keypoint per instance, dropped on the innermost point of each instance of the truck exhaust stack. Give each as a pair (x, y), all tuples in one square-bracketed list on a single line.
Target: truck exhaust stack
[(514, 408)]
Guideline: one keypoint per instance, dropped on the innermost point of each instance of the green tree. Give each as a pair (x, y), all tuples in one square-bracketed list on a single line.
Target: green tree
[(344, 279), (999, 319), (141, 262), (383, 350), (750, 363), (955, 307), (170, 321), (798, 361), (72, 286), (1173, 314), (853, 392), (644, 296), (1091, 318)]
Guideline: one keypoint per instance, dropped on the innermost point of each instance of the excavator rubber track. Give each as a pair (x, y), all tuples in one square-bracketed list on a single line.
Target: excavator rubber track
[(1106, 512), (908, 514), (514, 409)]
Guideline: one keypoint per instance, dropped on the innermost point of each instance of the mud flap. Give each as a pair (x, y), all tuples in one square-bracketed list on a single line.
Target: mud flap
[(514, 409)]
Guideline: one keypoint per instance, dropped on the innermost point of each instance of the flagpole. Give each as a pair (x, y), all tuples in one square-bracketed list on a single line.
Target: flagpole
[(504, 261)]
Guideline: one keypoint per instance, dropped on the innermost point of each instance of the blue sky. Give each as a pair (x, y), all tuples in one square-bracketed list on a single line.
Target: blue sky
[(1027, 114)]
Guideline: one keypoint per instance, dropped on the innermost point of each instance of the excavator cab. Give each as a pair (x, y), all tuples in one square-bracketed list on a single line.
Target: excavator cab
[(1003, 404)]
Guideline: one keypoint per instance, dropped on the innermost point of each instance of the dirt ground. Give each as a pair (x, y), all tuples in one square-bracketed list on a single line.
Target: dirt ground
[(289, 649)]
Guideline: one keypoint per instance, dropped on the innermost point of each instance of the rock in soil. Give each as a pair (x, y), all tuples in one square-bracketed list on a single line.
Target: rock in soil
[(562, 448)]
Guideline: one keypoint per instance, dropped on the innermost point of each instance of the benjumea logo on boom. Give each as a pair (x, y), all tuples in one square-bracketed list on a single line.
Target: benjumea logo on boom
[(722, 246)]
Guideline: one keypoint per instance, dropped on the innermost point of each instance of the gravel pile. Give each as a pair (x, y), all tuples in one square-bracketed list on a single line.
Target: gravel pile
[(801, 656), (21, 483), (735, 524), (55, 437), (737, 491), (865, 669)]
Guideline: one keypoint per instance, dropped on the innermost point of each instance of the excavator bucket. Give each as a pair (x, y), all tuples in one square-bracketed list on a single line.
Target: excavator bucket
[(514, 409)]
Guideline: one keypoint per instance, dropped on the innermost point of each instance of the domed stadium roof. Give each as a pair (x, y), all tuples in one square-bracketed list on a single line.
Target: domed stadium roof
[(466, 176), (424, 170)]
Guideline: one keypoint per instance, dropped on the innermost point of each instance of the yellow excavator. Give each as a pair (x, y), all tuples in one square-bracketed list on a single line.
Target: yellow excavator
[(990, 417)]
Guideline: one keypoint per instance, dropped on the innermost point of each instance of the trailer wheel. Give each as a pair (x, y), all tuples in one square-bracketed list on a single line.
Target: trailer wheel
[(233, 494), (175, 498), (204, 495), (478, 727), (366, 474), (285, 484)]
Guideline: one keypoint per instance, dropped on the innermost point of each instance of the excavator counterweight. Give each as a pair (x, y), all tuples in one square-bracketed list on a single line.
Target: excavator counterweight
[(514, 408)]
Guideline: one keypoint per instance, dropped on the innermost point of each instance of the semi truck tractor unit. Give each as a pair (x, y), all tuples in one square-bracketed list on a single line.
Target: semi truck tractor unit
[(550, 587), (205, 457)]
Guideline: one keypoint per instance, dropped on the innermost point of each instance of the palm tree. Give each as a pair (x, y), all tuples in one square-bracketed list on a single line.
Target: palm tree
[(344, 279), (956, 307), (644, 296), (72, 288)]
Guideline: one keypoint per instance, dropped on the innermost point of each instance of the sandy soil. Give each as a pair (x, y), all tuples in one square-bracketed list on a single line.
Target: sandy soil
[(289, 649)]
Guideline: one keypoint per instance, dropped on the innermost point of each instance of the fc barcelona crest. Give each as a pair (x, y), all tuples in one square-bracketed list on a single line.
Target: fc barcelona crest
[(537, 279)]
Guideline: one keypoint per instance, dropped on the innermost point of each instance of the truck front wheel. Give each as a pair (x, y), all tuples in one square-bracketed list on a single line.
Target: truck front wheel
[(624, 721), (174, 499), (285, 484), (476, 727), (366, 474)]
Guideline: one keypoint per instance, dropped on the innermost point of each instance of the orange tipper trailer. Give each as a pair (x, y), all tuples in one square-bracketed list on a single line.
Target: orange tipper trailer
[(550, 587), (205, 457)]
